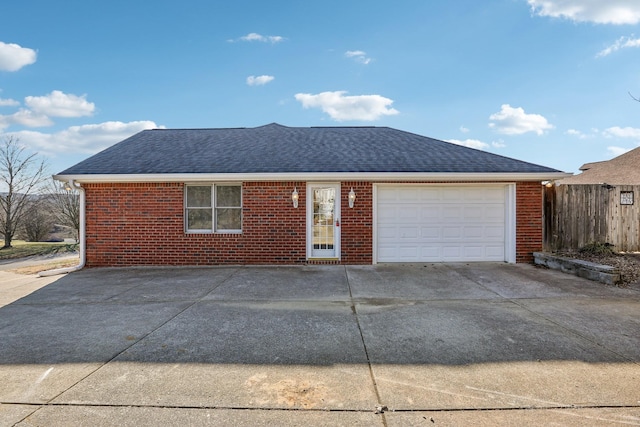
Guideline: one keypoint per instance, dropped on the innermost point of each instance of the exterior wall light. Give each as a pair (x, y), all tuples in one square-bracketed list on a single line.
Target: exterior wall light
[(352, 197), (295, 197)]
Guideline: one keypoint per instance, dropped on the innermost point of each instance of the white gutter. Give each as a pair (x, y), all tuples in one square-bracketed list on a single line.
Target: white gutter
[(314, 176), (81, 237)]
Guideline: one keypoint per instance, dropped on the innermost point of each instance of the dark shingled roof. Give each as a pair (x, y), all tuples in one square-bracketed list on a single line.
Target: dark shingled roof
[(280, 149)]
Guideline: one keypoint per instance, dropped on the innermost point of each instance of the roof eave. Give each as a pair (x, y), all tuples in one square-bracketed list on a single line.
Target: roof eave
[(313, 176)]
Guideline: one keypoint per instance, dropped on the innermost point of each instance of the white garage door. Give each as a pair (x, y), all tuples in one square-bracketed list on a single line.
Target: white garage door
[(440, 223)]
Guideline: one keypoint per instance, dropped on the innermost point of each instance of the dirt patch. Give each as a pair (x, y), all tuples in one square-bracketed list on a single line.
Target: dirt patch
[(627, 263), (35, 269), (289, 393)]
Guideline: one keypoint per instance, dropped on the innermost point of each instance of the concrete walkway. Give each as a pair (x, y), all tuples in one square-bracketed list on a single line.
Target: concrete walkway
[(454, 344)]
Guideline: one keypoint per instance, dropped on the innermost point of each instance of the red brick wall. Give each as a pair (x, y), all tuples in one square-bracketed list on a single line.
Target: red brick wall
[(357, 223), (528, 220), (143, 224)]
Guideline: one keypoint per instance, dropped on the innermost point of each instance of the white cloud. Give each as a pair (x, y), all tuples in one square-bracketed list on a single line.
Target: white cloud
[(471, 143), (341, 107), (8, 103), (25, 118), (358, 55), (616, 151), (88, 139), (514, 121), (59, 104), (598, 11), (626, 132), (259, 80), (13, 56), (579, 134), (621, 43), (255, 37), (464, 129), (498, 144)]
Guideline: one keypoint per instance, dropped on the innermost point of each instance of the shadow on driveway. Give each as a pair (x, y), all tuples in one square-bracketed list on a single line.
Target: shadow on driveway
[(413, 337)]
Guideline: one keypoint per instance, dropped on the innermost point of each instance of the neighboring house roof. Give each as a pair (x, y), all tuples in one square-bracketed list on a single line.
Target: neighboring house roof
[(277, 149), (621, 170), (588, 166)]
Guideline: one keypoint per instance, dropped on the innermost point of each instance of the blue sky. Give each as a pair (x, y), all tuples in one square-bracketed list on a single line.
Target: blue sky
[(545, 81)]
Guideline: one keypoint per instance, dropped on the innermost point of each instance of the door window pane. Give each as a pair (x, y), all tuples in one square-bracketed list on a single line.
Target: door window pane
[(323, 210)]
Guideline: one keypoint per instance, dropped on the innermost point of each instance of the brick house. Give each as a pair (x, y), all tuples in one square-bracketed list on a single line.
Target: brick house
[(291, 195)]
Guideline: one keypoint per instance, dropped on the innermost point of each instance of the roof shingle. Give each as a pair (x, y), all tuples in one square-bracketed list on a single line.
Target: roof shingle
[(621, 170), (275, 148)]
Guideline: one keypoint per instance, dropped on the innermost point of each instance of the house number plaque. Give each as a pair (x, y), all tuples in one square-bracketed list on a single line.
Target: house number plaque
[(626, 197)]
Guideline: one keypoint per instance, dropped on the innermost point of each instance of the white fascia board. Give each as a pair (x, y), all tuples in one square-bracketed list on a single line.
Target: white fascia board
[(311, 176)]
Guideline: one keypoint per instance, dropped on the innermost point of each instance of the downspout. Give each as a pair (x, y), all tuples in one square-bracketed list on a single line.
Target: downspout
[(81, 237)]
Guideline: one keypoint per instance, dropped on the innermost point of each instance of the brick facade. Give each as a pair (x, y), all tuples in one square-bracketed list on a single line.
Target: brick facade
[(143, 224), (528, 220)]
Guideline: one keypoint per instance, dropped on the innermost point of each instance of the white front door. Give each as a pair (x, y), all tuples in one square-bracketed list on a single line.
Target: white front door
[(323, 220)]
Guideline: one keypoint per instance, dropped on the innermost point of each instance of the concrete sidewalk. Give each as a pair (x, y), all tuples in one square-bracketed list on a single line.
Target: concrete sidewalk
[(433, 344)]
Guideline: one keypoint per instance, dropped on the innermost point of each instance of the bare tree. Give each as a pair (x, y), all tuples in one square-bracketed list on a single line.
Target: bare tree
[(65, 203), (38, 220), (20, 175)]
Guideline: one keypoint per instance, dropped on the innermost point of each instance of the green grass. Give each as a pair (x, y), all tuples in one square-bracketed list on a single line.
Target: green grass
[(21, 249)]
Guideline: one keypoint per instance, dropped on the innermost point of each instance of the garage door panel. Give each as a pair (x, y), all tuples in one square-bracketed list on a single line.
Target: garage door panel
[(387, 213), (494, 233), (494, 213), (430, 213), (428, 253), (450, 213), (409, 232), (424, 194), (495, 251), (387, 233), (409, 214), (473, 232), (473, 252), (406, 195), (451, 233), (430, 233), (451, 253), (431, 223), (452, 195), (408, 252)]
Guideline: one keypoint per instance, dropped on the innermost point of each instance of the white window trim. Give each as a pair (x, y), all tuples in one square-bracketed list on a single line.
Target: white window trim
[(213, 229)]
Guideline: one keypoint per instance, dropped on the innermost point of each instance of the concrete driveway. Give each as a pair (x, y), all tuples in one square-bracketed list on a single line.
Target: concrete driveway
[(433, 344)]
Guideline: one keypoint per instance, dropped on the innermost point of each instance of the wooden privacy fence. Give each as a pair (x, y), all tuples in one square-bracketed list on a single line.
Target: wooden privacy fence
[(579, 214)]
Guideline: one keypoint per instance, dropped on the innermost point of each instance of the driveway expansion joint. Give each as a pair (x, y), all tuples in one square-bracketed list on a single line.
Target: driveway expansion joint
[(380, 408)]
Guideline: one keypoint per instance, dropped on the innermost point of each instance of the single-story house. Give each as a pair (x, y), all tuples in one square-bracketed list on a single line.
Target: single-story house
[(621, 170), (304, 195)]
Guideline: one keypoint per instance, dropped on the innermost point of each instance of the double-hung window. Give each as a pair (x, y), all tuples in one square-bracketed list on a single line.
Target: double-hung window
[(213, 208)]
